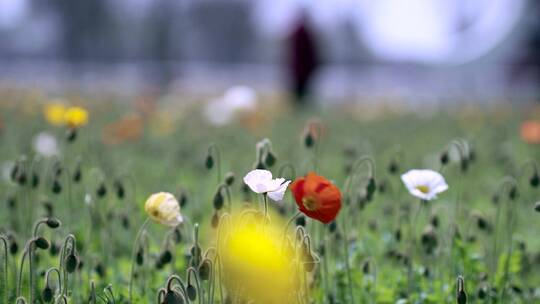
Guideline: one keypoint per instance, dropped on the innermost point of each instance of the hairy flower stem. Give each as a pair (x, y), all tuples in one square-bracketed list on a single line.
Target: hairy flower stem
[(68, 241), (58, 277), (412, 245), (291, 220), (4, 285), (28, 250), (265, 198), (347, 264), (133, 257)]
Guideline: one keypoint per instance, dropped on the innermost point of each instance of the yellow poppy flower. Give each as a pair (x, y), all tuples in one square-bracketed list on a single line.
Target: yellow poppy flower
[(75, 117), (163, 208), (54, 113), (255, 265)]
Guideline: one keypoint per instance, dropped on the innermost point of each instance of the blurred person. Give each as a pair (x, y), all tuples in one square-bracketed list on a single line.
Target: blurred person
[(303, 60), (527, 62)]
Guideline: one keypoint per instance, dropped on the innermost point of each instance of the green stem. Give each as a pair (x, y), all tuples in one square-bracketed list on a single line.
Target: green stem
[(347, 266), (5, 286), (133, 254)]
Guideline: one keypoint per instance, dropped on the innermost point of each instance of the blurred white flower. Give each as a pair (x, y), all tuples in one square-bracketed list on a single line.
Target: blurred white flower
[(7, 167), (163, 208), (221, 111), (45, 144), (424, 184), (88, 199), (261, 181)]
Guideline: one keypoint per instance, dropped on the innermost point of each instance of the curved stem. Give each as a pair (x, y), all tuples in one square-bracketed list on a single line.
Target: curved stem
[(58, 277), (265, 198), (5, 242), (68, 241), (289, 166), (287, 228), (19, 282), (192, 273), (176, 278), (347, 265), (36, 226), (133, 254), (110, 292)]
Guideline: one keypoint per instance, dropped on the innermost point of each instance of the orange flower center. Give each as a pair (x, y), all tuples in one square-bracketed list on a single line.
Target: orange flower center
[(310, 203)]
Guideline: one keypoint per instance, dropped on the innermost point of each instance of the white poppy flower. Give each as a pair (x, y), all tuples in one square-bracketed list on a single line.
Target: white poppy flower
[(45, 144), (240, 98), (261, 181), (424, 184), (221, 111), (163, 208)]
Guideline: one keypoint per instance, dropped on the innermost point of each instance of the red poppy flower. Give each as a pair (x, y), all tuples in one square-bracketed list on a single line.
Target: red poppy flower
[(317, 197)]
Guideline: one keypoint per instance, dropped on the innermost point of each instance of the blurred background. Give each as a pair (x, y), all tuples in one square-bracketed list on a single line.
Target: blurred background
[(415, 50)]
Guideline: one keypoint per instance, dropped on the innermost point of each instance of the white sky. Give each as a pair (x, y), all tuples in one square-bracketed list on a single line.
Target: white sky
[(405, 30)]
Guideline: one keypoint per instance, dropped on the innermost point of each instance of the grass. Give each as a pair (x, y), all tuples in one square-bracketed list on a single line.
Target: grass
[(388, 248)]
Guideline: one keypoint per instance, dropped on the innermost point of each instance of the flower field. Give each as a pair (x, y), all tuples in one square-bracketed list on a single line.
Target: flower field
[(166, 199)]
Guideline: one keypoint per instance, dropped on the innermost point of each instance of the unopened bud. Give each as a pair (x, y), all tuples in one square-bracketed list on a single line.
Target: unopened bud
[(120, 191), (77, 175), (301, 221), (513, 193), (270, 159), (534, 181), (443, 158), (53, 222), (56, 187), (191, 292), (537, 206), (173, 297), (35, 180), (13, 246), (309, 139), (209, 162), (72, 262), (41, 243), (204, 270), (393, 167), (47, 294), (218, 200), (101, 190), (215, 220), (332, 226), (371, 187), (166, 257), (71, 135), (229, 178), (461, 294), (139, 256)]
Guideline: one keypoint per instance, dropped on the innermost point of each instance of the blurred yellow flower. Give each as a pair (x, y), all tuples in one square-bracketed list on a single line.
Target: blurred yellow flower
[(75, 117), (255, 266), (54, 113), (163, 208)]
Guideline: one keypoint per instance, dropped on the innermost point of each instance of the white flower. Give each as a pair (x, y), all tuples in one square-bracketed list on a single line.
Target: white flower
[(240, 98), (163, 208), (221, 111), (424, 184), (45, 144), (7, 167), (260, 181)]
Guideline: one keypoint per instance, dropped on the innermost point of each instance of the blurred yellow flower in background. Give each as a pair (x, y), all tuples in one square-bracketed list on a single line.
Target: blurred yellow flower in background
[(254, 265), (75, 117), (54, 113)]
